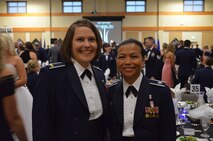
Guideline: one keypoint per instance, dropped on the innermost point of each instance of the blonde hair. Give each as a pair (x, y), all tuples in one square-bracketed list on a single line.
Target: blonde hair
[(1, 56), (7, 43), (171, 48), (31, 65)]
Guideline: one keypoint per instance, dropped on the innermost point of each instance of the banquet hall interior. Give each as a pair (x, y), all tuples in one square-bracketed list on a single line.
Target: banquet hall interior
[(162, 19), (42, 22)]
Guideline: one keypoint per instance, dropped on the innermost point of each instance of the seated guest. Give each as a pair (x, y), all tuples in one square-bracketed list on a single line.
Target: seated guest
[(204, 76), (203, 61), (32, 74), (141, 109)]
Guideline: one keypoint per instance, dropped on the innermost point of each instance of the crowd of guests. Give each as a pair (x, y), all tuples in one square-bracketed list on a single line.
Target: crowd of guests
[(68, 99)]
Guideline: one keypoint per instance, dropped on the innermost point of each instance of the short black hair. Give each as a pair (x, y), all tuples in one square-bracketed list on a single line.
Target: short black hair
[(133, 41), (105, 45), (187, 43)]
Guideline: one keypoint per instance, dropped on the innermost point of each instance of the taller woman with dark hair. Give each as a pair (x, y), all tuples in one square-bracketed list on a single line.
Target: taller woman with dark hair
[(70, 99), (28, 53)]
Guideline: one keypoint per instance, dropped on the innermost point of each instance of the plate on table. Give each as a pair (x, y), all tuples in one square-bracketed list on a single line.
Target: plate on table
[(190, 138)]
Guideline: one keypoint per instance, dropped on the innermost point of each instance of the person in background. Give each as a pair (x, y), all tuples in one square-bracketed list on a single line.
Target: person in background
[(163, 51), (10, 119), (169, 72), (18, 47), (22, 94), (47, 49), (204, 76), (205, 49), (211, 51), (185, 62), (140, 109), (70, 98), (107, 61), (153, 61), (54, 52), (203, 59), (32, 74), (114, 47), (41, 53), (180, 45), (198, 52), (28, 53)]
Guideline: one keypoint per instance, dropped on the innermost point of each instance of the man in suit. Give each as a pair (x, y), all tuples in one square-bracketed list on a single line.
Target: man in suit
[(153, 63), (185, 63), (54, 52), (198, 52), (70, 99), (204, 76), (41, 53), (141, 109)]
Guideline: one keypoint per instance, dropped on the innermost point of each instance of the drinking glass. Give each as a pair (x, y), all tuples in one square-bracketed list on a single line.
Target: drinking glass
[(176, 106), (183, 112), (205, 123)]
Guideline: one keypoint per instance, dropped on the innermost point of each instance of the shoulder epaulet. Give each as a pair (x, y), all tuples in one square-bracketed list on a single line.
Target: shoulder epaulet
[(56, 65), (97, 68), (157, 83)]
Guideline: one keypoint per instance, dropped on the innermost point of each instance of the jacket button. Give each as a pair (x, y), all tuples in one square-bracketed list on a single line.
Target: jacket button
[(75, 119), (75, 132)]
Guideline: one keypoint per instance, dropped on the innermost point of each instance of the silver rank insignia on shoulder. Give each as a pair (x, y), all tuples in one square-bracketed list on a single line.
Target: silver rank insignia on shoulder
[(157, 83), (56, 65), (97, 67)]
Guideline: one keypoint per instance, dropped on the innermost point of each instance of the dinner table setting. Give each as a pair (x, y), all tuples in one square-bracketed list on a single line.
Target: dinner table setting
[(194, 117)]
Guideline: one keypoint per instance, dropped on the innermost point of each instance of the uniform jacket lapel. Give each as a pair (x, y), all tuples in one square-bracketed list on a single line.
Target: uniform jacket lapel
[(118, 99), (141, 101), (76, 84)]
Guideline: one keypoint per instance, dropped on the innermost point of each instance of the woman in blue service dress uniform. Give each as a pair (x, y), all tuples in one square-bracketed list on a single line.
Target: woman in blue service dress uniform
[(70, 98), (141, 109)]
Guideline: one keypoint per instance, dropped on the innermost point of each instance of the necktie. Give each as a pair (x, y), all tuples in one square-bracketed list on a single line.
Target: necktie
[(133, 90), (87, 73)]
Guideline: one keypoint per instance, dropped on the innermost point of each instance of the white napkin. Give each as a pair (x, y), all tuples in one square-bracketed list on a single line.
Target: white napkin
[(201, 112), (106, 73), (177, 91), (175, 103), (209, 93)]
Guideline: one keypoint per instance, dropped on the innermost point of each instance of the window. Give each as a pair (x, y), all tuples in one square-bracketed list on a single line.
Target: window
[(72, 6), (193, 5), (135, 5), (16, 7)]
